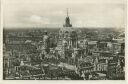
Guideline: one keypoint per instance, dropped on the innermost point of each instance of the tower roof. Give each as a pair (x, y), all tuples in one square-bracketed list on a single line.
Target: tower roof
[(67, 21)]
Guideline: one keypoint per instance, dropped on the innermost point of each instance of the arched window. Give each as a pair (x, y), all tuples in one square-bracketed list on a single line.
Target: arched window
[(66, 32)]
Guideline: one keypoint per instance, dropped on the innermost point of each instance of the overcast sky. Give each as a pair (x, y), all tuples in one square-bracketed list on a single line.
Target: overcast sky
[(51, 13)]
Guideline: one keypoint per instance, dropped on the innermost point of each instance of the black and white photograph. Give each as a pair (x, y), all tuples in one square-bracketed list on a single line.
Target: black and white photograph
[(64, 40)]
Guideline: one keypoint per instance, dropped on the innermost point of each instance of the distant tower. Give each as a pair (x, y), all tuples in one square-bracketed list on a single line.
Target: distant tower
[(67, 21), (46, 42)]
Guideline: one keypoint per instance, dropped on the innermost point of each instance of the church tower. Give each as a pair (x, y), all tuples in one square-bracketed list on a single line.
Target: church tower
[(67, 37), (67, 21)]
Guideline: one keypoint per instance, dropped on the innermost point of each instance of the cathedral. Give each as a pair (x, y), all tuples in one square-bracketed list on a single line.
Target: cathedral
[(67, 41)]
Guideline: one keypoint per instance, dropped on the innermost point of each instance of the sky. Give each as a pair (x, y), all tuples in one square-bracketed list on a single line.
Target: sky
[(52, 13)]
